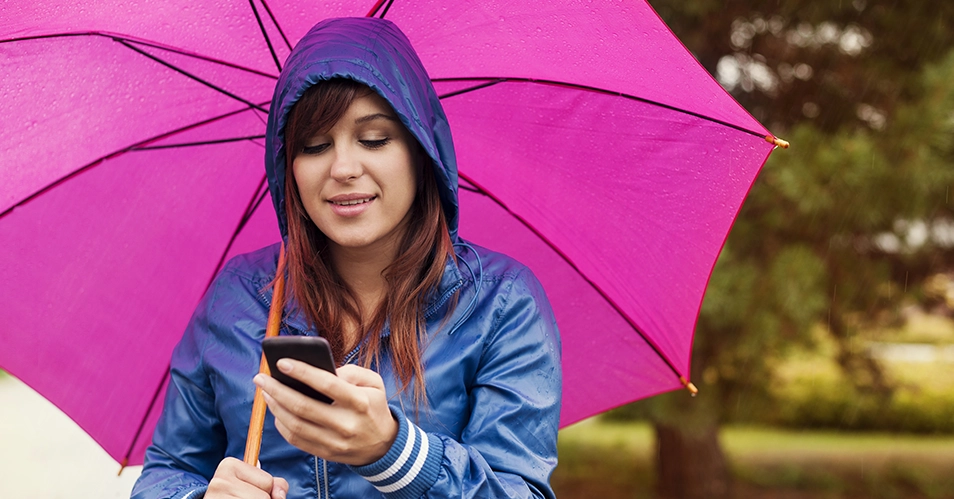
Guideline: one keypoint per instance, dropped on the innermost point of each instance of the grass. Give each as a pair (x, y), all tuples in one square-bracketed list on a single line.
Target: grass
[(920, 328), (813, 391), (842, 464), (611, 460), (604, 460)]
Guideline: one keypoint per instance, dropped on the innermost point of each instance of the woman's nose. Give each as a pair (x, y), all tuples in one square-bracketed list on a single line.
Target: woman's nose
[(345, 166)]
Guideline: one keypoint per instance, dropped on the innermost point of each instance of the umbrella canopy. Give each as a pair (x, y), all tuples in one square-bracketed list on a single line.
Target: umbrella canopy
[(591, 145)]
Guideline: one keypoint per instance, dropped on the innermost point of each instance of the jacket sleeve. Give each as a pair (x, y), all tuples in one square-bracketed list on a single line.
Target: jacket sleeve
[(189, 440), (508, 448)]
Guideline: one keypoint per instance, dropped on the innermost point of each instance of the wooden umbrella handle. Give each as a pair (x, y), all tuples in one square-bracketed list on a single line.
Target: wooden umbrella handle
[(253, 443)]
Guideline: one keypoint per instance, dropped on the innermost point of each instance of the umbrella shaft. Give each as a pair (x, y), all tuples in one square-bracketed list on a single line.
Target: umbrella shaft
[(253, 442)]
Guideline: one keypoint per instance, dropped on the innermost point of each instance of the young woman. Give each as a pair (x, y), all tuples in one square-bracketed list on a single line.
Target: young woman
[(449, 377)]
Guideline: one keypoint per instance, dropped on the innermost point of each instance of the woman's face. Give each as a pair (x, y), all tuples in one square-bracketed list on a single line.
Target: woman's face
[(357, 181)]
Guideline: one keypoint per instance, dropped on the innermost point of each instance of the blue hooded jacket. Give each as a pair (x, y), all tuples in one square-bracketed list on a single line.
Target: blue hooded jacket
[(492, 362)]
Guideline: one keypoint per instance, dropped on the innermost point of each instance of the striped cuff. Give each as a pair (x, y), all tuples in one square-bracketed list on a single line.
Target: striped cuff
[(410, 467)]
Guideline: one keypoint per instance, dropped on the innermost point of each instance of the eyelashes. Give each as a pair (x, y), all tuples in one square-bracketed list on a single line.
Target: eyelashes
[(376, 144), (311, 150), (370, 144)]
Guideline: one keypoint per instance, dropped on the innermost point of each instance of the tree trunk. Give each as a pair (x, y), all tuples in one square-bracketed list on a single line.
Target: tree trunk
[(690, 464)]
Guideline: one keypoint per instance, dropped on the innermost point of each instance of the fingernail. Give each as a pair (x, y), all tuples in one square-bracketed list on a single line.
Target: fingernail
[(284, 366), (259, 380), (281, 494)]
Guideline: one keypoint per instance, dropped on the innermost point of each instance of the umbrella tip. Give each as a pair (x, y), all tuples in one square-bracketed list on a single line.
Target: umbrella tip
[(122, 465), (693, 391), (777, 142)]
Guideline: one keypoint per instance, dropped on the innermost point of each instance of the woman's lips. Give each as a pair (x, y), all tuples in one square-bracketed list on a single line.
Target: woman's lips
[(350, 205)]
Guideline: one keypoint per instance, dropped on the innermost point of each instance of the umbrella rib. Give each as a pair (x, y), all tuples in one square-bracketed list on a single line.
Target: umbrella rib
[(115, 153), (260, 192), (496, 80), (145, 417), (277, 26), (200, 143), (116, 37), (471, 89), (201, 57), (374, 9), (480, 190), (249, 211), (268, 40), (193, 77), (386, 9)]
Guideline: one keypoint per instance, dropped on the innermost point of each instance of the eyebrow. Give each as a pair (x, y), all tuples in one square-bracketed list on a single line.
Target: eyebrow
[(375, 116)]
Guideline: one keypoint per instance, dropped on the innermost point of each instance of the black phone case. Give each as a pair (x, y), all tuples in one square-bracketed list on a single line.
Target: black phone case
[(311, 350)]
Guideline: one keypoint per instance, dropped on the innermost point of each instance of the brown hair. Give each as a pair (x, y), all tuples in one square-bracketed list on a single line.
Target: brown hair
[(411, 278)]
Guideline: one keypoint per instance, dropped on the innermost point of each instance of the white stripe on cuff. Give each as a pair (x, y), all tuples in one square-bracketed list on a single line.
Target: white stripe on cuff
[(405, 454), (415, 469)]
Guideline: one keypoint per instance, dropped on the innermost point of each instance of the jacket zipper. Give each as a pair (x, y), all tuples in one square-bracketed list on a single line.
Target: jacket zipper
[(321, 466), (318, 481), (324, 468)]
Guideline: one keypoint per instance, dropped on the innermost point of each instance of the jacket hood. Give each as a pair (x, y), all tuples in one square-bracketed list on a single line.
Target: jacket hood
[(376, 53)]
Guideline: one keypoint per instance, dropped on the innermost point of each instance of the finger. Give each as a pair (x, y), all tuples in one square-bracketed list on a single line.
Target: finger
[(279, 488), (359, 376), (233, 488), (308, 419), (234, 478), (298, 425), (289, 398), (281, 397), (277, 389), (332, 386), (287, 415), (303, 434), (253, 476)]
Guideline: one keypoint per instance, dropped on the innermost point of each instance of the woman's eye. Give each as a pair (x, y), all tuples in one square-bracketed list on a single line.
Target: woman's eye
[(375, 144), (314, 149)]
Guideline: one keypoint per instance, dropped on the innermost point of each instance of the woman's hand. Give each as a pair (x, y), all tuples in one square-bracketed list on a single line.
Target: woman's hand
[(356, 429), (234, 479)]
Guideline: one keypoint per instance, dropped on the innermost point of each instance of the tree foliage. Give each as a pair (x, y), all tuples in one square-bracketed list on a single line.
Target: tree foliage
[(863, 91), (832, 233), (816, 60)]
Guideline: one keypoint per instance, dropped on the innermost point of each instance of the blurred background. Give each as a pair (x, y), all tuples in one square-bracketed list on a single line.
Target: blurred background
[(824, 352)]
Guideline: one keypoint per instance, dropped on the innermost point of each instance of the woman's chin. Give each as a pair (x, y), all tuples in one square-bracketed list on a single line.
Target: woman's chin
[(362, 241)]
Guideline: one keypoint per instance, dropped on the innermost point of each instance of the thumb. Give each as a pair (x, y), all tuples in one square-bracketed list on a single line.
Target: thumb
[(279, 488)]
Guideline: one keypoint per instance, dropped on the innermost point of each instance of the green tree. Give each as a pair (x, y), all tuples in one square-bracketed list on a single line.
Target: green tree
[(862, 90)]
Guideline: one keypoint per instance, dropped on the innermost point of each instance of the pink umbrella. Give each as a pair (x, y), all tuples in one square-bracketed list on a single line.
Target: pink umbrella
[(592, 146)]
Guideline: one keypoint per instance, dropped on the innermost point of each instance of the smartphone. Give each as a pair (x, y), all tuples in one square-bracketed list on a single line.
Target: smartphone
[(312, 350)]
